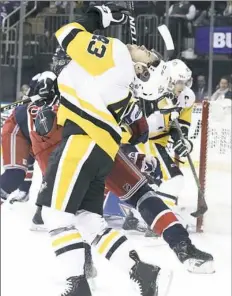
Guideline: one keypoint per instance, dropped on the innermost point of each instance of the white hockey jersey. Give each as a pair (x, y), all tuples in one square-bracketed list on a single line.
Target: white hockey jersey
[(159, 123)]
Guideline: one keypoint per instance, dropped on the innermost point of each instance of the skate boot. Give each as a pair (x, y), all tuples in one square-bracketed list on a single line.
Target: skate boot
[(37, 221), (131, 222), (148, 277), (196, 261), (77, 286), (4, 195), (20, 196), (90, 269)]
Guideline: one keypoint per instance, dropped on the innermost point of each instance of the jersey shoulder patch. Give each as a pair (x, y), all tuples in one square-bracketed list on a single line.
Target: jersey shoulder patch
[(187, 98)]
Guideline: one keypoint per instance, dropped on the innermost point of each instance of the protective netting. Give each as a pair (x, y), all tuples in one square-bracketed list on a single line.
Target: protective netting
[(217, 169), (218, 137)]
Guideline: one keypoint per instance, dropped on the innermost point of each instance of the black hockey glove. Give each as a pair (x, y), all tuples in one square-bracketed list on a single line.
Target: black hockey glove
[(111, 14), (183, 147)]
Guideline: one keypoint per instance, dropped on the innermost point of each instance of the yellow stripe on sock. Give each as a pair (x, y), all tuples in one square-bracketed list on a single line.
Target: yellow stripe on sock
[(65, 239), (107, 241)]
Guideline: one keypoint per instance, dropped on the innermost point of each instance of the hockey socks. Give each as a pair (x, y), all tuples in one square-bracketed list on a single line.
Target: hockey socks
[(161, 219), (11, 179), (68, 247), (115, 247)]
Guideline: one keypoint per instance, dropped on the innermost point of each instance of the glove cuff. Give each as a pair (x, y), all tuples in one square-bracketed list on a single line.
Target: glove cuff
[(104, 14)]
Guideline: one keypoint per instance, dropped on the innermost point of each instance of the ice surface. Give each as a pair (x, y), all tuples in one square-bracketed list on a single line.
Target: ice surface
[(28, 267)]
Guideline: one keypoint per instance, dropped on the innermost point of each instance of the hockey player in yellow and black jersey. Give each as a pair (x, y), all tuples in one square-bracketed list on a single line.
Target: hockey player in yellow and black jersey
[(95, 100), (162, 129)]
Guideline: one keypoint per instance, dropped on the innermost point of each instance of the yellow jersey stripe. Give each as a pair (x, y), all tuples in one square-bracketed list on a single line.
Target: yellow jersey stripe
[(66, 239), (86, 105), (65, 30), (67, 173), (107, 241), (105, 136)]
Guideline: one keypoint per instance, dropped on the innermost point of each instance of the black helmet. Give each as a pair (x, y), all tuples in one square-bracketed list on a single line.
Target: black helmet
[(59, 60)]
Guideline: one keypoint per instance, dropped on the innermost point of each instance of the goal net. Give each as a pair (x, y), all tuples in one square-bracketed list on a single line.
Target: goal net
[(210, 133)]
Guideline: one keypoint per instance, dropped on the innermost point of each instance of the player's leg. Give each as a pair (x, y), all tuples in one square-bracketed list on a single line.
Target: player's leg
[(80, 168), (22, 194), (111, 243), (15, 153), (133, 220), (160, 219), (64, 186)]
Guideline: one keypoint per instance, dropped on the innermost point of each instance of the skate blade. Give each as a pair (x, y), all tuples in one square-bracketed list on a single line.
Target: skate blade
[(164, 281), (38, 228), (197, 267)]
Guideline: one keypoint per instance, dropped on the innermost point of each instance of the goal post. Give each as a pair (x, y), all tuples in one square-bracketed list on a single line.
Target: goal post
[(210, 133), (203, 157)]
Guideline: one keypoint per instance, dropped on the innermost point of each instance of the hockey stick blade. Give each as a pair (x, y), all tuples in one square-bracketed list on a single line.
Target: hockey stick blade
[(166, 35), (200, 212), (203, 208)]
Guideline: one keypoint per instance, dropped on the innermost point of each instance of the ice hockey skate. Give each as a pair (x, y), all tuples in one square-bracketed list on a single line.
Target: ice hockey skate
[(37, 223), (195, 260), (75, 286), (148, 277)]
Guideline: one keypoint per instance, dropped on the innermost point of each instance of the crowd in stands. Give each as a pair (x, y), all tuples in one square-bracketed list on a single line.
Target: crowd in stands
[(184, 17), (223, 89), (6, 7)]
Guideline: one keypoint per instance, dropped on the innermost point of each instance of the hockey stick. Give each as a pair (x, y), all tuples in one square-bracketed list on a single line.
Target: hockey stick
[(203, 205), (133, 32), (15, 104)]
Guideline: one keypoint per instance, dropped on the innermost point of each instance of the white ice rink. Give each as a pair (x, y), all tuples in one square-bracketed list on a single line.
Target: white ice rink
[(28, 267)]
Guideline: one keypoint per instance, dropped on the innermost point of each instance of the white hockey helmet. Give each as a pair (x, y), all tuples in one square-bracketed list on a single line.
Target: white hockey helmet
[(179, 73), (152, 85)]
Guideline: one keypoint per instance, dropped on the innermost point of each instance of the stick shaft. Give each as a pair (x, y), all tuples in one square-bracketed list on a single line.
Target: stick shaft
[(15, 104), (189, 160)]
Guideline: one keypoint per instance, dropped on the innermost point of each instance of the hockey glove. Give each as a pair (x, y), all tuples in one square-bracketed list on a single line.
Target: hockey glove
[(134, 119), (42, 87), (183, 148), (111, 14), (146, 163)]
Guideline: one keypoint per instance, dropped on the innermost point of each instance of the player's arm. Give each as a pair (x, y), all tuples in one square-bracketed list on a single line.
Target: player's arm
[(185, 116), (185, 119), (182, 148), (98, 17), (136, 122)]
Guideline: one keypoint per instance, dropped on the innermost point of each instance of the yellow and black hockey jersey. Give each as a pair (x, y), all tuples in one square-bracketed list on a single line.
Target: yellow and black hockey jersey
[(95, 85), (159, 124)]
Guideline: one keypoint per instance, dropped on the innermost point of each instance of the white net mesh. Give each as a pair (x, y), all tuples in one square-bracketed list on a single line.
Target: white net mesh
[(218, 166)]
